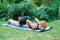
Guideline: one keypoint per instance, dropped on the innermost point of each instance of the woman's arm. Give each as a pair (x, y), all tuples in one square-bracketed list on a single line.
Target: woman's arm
[(37, 20)]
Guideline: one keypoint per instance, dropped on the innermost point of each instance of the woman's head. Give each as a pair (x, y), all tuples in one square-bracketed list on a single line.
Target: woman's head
[(43, 24)]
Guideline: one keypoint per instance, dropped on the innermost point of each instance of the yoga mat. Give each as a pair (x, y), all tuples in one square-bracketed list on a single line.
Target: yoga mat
[(24, 27)]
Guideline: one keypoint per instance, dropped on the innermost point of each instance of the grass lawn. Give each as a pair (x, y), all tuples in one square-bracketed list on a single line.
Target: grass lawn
[(8, 33)]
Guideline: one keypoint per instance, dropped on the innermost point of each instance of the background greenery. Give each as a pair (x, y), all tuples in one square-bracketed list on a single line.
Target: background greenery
[(42, 9)]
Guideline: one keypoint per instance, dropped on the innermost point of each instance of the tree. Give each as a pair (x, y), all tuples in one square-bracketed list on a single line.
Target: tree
[(23, 8)]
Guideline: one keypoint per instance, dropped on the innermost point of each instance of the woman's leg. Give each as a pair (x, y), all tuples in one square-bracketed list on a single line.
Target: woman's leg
[(31, 25), (28, 23), (11, 21)]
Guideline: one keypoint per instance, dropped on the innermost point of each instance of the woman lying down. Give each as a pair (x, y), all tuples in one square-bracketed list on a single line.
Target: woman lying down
[(26, 21)]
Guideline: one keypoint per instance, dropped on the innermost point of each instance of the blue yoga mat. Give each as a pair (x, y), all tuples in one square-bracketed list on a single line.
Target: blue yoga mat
[(24, 27)]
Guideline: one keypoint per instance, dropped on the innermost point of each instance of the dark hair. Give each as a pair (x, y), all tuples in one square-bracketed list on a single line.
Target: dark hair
[(23, 20)]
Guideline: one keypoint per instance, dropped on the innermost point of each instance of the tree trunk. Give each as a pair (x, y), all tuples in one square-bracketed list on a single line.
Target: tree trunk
[(59, 12)]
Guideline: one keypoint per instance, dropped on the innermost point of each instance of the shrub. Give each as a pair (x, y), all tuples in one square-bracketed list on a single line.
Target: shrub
[(23, 8), (3, 9), (47, 13), (42, 14)]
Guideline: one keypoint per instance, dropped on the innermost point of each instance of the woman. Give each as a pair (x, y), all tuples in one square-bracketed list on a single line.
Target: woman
[(37, 25)]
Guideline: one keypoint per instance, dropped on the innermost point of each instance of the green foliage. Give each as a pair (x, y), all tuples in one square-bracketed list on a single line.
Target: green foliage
[(23, 8), (42, 14), (2, 6), (26, 8), (14, 1), (54, 8)]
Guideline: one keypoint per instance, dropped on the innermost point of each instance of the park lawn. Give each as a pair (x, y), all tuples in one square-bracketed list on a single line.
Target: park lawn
[(8, 33)]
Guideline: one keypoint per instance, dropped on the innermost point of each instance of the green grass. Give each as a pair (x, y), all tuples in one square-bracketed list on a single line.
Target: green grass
[(8, 33)]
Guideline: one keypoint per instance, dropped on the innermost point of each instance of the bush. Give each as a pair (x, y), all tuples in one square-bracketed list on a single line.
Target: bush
[(42, 14), (52, 12), (47, 13), (23, 8)]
